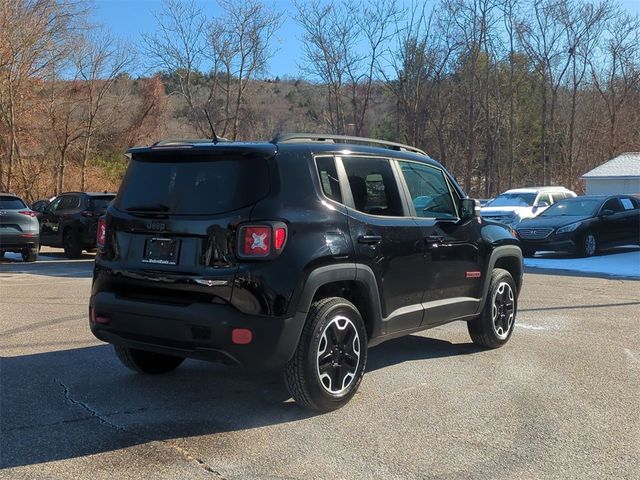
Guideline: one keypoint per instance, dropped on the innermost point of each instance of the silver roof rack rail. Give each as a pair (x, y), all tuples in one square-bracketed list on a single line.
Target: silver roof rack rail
[(318, 137), (170, 142)]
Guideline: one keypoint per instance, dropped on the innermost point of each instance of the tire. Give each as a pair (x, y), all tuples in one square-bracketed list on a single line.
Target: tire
[(72, 247), (501, 302), (329, 362), (588, 245), (150, 363), (29, 254)]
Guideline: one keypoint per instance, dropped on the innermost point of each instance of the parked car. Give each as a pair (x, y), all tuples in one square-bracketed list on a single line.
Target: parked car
[(19, 231), (71, 221), (39, 206), (297, 254), (583, 225), (512, 206)]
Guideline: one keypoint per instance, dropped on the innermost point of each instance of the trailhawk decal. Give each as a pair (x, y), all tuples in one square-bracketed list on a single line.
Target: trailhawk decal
[(474, 274)]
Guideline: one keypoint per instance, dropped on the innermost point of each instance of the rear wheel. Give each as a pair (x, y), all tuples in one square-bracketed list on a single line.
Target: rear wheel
[(72, 247), (328, 365), (147, 362), (494, 326), (29, 254), (588, 245)]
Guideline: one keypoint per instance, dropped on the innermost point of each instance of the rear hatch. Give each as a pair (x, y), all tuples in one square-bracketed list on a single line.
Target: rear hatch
[(16, 218), (175, 216)]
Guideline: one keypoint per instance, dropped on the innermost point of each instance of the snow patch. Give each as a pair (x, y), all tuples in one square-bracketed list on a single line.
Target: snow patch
[(622, 262)]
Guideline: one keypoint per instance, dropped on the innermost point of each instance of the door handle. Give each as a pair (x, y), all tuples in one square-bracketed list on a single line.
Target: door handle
[(433, 239), (369, 239)]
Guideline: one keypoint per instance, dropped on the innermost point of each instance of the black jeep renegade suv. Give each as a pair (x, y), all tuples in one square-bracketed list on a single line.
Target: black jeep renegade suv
[(299, 253)]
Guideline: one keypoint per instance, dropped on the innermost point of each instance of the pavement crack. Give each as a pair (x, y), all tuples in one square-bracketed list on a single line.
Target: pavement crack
[(102, 418), (94, 413), (189, 456)]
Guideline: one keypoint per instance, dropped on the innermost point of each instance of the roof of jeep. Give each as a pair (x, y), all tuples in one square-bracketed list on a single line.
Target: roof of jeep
[(269, 149)]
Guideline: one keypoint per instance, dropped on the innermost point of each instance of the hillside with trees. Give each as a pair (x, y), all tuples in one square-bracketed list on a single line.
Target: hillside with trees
[(504, 93)]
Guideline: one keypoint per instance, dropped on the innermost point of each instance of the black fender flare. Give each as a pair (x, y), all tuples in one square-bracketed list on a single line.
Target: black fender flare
[(503, 251), (352, 272)]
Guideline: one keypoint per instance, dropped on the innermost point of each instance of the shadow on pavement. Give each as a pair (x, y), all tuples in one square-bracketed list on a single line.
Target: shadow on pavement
[(51, 264), (415, 347), (72, 403)]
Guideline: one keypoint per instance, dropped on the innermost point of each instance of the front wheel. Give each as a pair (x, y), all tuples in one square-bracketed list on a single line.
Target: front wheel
[(71, 244), (588, 245), (328, 365), (494, 326), (142, 361)]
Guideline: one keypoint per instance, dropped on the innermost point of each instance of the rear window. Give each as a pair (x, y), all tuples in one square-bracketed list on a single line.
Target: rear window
[(193, 187), (11, 203), (100, 203)]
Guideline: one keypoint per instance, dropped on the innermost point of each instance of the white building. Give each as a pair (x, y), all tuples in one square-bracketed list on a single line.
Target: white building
[(619, 175)]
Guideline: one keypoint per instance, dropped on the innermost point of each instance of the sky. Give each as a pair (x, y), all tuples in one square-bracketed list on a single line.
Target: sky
[(128, 19)]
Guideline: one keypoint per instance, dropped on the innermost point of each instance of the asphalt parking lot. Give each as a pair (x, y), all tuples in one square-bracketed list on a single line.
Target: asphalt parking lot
[(560, 400)]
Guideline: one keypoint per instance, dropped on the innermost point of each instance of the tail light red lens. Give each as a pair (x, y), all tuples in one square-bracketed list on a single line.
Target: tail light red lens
[(263, 241), (256, 241), (29, 213), (101, 239), (279, 238)]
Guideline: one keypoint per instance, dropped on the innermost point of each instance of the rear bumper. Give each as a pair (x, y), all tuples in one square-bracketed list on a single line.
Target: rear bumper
[(196, 330), (17, 242)]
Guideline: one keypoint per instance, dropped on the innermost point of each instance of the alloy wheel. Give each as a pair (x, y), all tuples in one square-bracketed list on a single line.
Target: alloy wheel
[(590, 244), (503, 310), (338, 355)]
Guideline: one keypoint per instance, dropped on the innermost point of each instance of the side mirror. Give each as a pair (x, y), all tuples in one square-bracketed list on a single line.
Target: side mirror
[(607, 213), (542, 204), (470, 208)]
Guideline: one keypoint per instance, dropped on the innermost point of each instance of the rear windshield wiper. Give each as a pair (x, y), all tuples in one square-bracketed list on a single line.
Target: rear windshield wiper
[(152, 207)]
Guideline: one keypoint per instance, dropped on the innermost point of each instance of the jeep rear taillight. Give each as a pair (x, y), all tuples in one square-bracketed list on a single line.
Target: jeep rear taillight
[(101, 239), (261, 241), (256, 241), (279, 237)]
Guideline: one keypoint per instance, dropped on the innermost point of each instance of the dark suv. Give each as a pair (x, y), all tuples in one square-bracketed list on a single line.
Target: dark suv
[(299, 253), (71, 221)]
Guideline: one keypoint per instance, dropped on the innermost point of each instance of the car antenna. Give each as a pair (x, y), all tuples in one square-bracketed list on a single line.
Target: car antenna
[(213, 132)]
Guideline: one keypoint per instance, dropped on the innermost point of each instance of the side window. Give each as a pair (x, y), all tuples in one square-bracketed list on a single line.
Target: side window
[(56, 204), (67, 202), (429, 190), (629, 203), (557, 196), (612, 204), (545, 197), (329, 178), (373, 186)]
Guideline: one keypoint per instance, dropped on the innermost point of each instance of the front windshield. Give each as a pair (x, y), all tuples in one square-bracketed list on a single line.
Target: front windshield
[(513, 200), (581, 208)]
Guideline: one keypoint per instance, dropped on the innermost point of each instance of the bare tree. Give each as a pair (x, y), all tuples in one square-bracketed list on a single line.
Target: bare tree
[(99, 60), (583, 30), (34, 35), (178, 49), (240, 45), (615, 71)]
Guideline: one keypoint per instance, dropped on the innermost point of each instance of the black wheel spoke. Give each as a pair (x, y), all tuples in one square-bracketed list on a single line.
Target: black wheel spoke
[(326, 367), (350, 360), (333, 336)]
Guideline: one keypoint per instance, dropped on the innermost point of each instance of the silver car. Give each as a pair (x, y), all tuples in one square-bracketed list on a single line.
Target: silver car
[(19, 228)]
